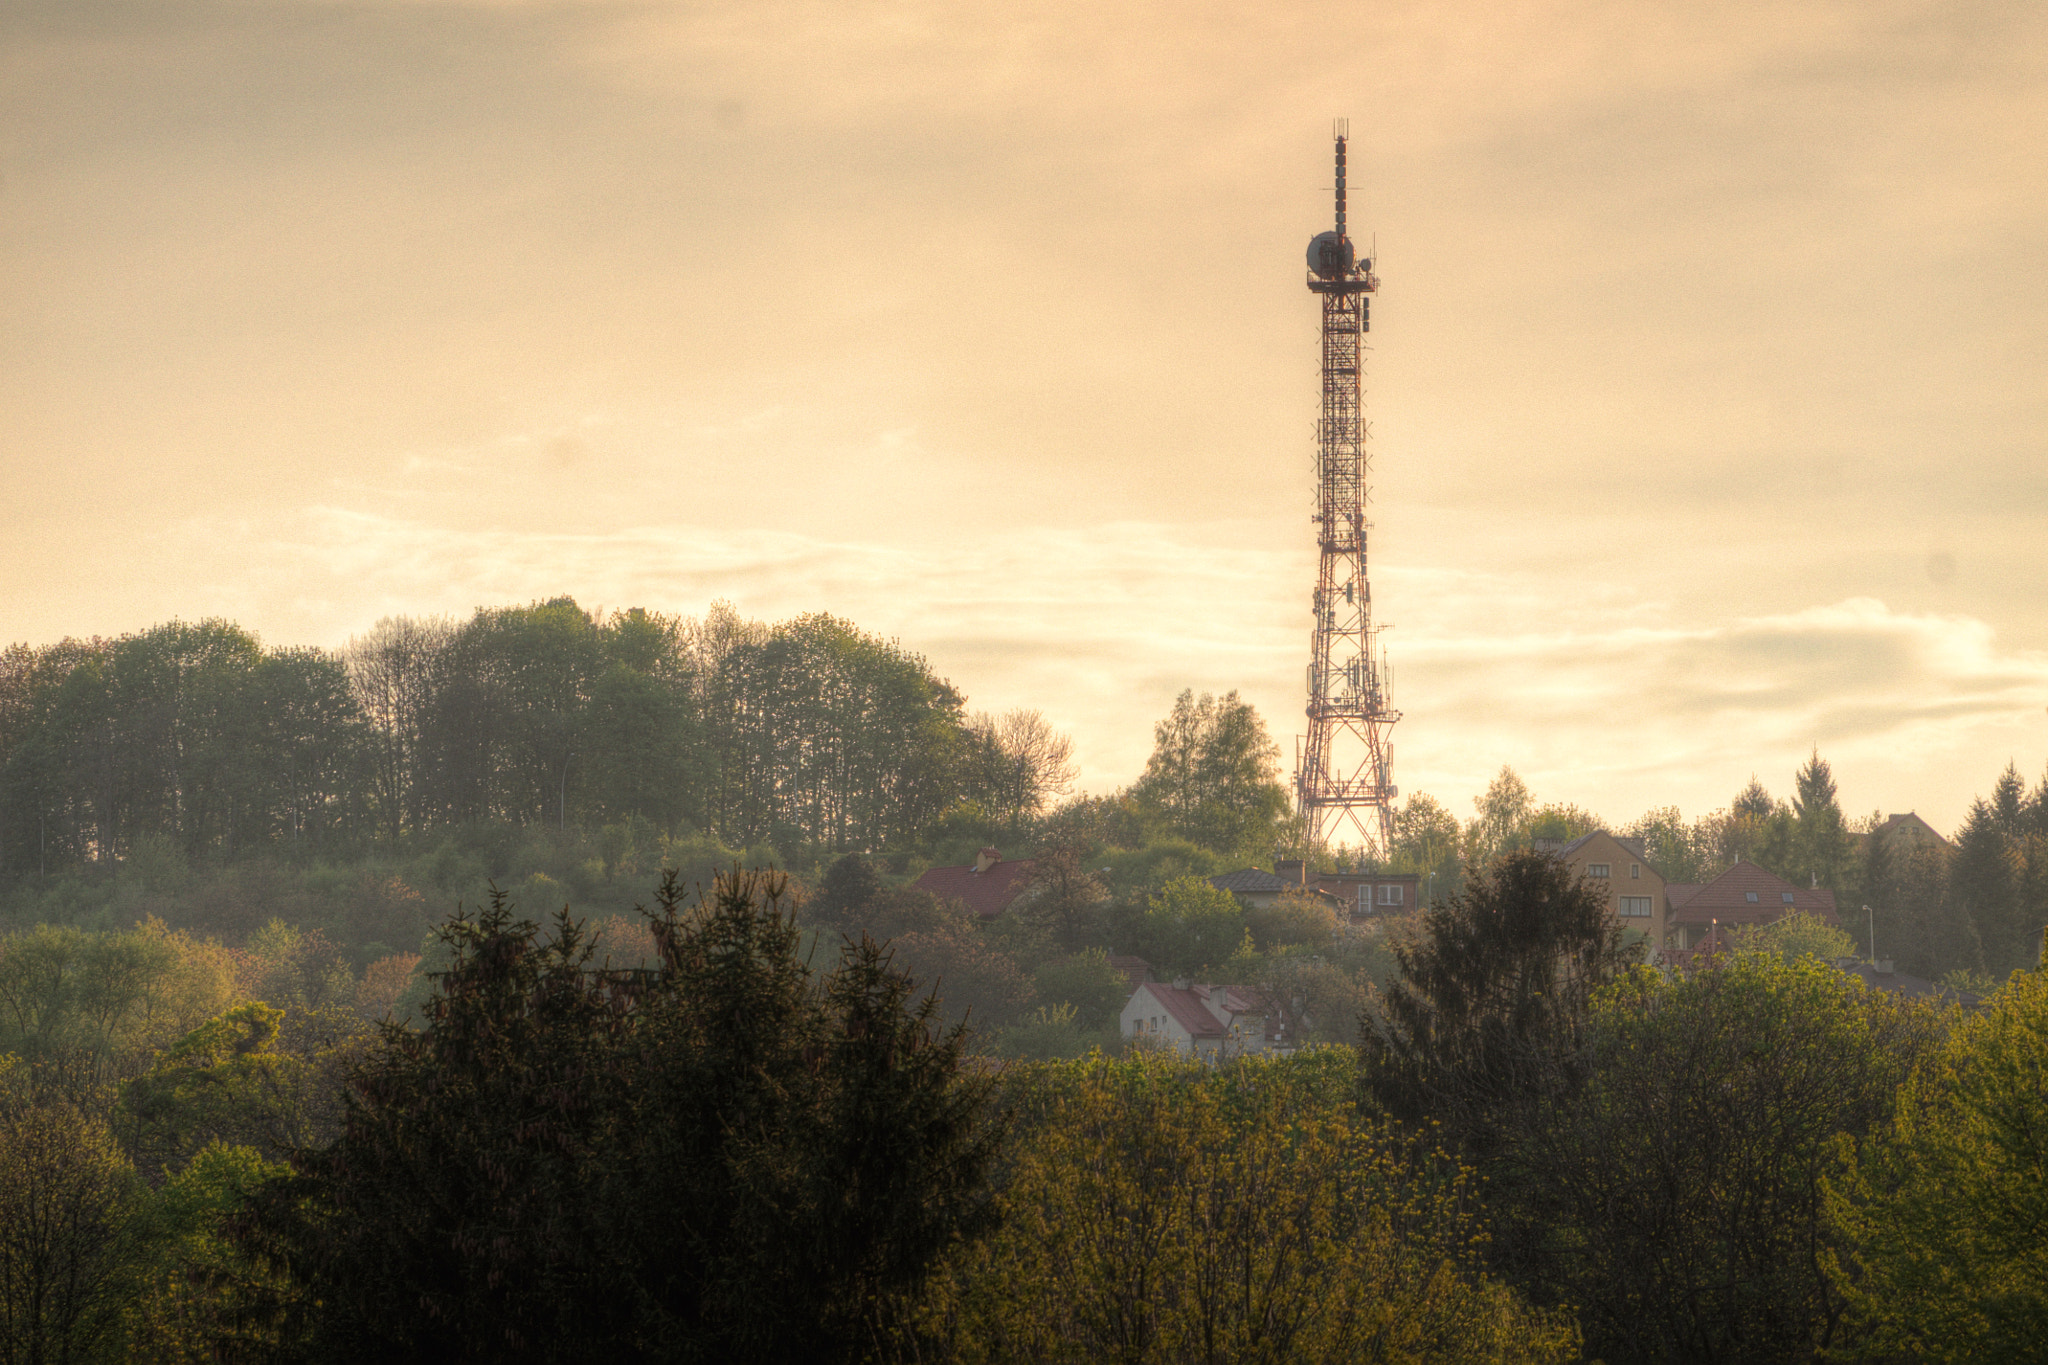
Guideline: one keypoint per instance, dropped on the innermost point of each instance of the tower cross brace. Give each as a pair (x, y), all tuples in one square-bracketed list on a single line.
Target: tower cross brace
[(1344, 765)]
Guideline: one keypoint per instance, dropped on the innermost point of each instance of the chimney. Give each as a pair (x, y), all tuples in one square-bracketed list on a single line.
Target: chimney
[(1219, 1001), (986, 859), (1291, 871)]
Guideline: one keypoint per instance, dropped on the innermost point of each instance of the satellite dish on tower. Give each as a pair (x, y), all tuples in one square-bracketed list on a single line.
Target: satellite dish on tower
[(1330, 255)]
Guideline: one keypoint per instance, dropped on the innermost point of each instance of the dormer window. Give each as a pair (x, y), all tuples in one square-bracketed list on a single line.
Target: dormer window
[(1749, 896)]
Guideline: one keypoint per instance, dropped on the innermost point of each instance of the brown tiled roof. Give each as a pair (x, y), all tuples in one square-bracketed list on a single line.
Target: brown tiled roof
[(1678, 893), (1726, 898), (1187, 1008), (986, 894)]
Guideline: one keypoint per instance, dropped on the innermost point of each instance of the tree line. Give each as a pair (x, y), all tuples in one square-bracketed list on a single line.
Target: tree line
[(1969, 908), (809, 733)]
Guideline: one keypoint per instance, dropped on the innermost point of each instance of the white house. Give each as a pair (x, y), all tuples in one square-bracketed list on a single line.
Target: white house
[(1202, 1020)]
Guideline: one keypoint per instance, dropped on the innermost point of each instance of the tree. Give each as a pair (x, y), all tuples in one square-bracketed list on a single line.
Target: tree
[(1670, 846), (1064, 900), (391, 670), (1214, 777), (1189, 928), (1495, 991), (1085, 980), (1821, 844), (1504, 811), (1668, 1182), (1427, 841), (1944, 1212), (1292, 918), (974, 981), (1164, 1210), (725, 1158), (1796, 935), (1025, 765), (69, 1232)]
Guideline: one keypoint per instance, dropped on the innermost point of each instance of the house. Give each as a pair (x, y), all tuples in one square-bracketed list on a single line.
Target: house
[(1909, 833), (987, 887), (1352, 895), (1619, 869), (1203, 1020), (1742, 896)]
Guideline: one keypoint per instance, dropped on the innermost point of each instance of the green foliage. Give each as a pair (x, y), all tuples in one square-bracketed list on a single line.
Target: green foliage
[(1214, 778), (94, 1005), (1188, 929), (1052, 1032), (1163, 1210), (251, 1077), (975, 981), (1797, 935), (70, 1238), (1293, 918), (1666, 1178), (1085, 981), (1502, 823), (727, 1158), (1498, 984), (1821, 847), (1427, 842), (1944, 1211)]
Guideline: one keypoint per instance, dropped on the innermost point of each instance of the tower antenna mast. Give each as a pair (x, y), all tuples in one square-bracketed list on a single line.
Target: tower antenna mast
[(1343, 771)]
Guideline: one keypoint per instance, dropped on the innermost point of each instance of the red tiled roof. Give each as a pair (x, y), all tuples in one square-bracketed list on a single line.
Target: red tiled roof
[(1187, 1008), (986, 894), (1726, 898), (1678, 893)]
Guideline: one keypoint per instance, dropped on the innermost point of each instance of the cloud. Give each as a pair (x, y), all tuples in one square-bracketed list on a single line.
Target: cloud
[(1593, 694)]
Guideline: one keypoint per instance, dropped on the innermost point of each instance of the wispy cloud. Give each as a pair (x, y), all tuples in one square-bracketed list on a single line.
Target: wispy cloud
[(1594, 695)]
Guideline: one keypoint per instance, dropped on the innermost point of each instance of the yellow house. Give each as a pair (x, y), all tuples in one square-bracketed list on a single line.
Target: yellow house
[(1635, 893)]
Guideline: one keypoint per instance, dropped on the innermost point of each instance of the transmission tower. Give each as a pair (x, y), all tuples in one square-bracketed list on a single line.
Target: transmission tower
[(1343, 773)]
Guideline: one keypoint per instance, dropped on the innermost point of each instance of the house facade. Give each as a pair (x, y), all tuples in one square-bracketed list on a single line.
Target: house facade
[(1204, 1020), (1618, 868), (1354, 896)]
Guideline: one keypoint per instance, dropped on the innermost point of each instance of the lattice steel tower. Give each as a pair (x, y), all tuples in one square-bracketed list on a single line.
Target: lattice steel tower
[(1343, 773)]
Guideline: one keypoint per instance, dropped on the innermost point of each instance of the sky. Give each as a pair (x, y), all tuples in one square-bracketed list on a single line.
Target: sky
[(1709, 421)]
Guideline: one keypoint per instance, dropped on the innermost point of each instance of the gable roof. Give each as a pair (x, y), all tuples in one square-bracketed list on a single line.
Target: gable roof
[(985, 894), (1727, 899), (1912, 827), (1631, 846), (1187, 1008)]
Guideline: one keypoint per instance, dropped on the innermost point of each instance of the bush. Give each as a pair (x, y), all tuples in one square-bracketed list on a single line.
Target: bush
[(1163, 1210)]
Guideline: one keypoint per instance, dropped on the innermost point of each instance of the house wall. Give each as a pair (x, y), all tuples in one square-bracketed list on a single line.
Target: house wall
[(1627, 876)]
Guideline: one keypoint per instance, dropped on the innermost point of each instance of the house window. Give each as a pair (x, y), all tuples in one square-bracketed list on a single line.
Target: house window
[(1599, 870), (1749, 896), (1390, 895), (1635, 872), (1787, 895), (1635, 907)]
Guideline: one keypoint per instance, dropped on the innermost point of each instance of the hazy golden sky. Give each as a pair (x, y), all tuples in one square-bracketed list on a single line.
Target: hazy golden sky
[(1707, 387)]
